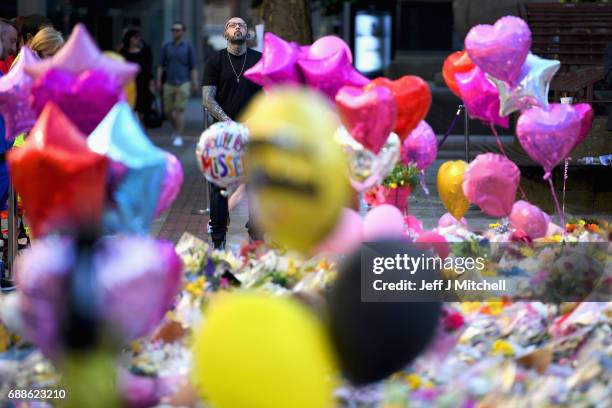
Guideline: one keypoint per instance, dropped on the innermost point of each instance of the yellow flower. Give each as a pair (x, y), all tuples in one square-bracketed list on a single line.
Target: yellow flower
[(494, 307), (393, 185), (557, 238), (413, 381), (502, 348), (470, 307), (135, 347), (291, 268), (494, 225), (323, 264), (527, 252), (402, 183)]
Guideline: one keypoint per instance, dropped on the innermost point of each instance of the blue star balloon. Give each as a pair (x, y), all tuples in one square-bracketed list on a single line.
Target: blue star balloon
[(532, 90), (132, 203)]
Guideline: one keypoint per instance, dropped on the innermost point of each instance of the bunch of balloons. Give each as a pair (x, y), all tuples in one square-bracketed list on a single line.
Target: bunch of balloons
[(87, 170)]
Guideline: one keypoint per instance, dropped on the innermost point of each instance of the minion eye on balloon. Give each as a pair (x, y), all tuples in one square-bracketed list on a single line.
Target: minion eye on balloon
[(297, 174)]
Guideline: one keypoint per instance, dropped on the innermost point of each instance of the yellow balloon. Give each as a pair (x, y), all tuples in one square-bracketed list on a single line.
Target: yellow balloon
[(450, 182), (295, 169), (130, 88), (261, 351)]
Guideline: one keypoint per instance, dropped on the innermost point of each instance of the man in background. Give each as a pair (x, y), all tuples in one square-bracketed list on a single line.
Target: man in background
[(607, 60), (178, 62)]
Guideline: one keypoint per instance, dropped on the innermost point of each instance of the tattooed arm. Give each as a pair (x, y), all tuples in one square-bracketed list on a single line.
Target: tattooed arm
[(208, 99)]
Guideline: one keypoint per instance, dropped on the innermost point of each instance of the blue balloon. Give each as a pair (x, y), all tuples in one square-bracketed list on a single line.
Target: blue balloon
[(120, 138)]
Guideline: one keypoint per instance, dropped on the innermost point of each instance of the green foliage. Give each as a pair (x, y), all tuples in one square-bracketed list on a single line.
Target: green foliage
[(402, 175)]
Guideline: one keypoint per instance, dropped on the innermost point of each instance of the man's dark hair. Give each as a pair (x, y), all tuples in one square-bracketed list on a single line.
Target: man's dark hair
[(28, 26), (183, 26)]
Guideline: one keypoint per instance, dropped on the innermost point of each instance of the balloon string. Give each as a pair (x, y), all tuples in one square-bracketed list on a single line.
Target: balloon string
[(426, 191), (567, 159), (501, 148), (552, 191), (452, 126)]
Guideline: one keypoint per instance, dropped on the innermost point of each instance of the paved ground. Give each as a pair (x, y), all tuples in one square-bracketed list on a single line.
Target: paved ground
[(184, 215)]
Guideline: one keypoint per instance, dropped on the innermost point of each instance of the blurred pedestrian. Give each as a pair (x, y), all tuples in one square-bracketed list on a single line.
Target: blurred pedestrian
[(178, 62), (607, 61), (8, 37), (225, 93), (133, 50)]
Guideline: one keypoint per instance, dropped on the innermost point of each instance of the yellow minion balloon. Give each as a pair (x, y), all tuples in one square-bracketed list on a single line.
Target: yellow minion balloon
[(296, 172), (450, 181)]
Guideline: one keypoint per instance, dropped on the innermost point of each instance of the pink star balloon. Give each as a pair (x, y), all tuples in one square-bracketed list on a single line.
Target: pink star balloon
[(278, 63), (14, 96), (80, 53)]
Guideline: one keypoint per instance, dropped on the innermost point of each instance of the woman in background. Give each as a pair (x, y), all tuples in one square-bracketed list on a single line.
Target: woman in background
[(47, 42), (133, 51)]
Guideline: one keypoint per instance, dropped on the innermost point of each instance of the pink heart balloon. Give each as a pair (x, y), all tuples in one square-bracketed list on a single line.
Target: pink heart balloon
[(529, 219), (549, 135), (327, 46), (278, 63), (490, 182), (369, 116), (501, 49), (448, 220), (85, 98), (421, 146), (585, 111), (328, 75), (346, 236), (383, 221), (480, 96)]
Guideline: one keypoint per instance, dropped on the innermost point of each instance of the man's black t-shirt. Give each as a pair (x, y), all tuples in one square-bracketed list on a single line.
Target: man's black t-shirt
[(232, 95)]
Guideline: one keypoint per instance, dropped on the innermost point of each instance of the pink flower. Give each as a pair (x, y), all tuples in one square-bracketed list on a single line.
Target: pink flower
[(453, 320), (375, 196)]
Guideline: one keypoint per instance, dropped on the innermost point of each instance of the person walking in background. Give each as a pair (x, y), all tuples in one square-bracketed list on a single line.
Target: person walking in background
[(29, 26), (607, 62), (8, 38), (225, 93), (178, 61), (133, 51)]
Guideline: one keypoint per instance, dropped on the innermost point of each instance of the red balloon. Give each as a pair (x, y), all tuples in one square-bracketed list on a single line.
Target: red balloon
[(61, 181), (457, 62), (413, 99)]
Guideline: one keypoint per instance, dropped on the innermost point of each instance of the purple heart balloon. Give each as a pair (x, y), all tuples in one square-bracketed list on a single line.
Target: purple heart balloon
[(549, 135), (85, 98), (480, 97), (278, 63), (500, 49), (421, 146)]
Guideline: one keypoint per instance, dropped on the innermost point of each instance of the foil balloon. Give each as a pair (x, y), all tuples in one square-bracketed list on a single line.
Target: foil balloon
[(137, 279), (450, 181), (500, 49), (529, 219), (61, 181), (480, 97), (328, 75), (367, 169), (421, 146), (120, 138), (368, 115), (413, 100), (532, 88), (383, 222), (93, 89), (15, 90), (490, 182), (548, 135), (220, 153), (296, 172), (80, 54), (327, 46), (278, 63), (171, 185), (585, 111), (292, 345), (458, 62)]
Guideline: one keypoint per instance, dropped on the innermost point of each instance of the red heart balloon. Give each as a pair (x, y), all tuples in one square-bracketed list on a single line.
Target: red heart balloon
[(457, 62), (413, 99), (368, 115)]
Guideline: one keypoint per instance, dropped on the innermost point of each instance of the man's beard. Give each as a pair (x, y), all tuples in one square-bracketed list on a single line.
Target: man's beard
[(236, 41)]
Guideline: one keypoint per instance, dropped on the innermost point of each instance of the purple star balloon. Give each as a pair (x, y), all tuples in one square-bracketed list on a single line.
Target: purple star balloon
[(14, 96), (79, 54)]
